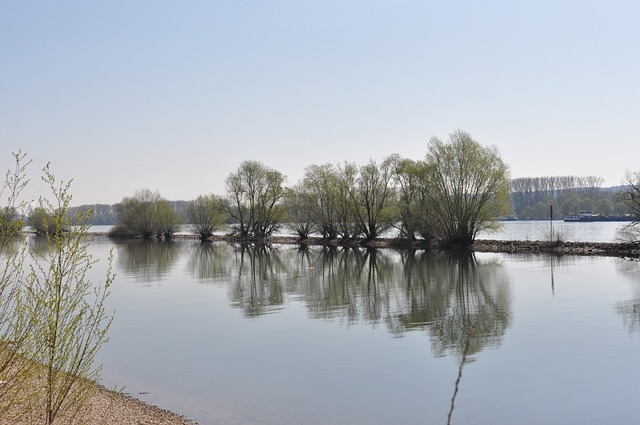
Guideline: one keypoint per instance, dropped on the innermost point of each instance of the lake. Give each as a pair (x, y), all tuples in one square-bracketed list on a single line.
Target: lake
[(226, 334)]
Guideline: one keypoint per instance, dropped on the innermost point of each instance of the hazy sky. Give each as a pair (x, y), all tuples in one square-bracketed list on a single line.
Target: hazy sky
[(172, 96)]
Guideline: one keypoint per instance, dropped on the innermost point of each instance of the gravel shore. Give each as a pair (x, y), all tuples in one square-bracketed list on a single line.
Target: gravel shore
[(106, 407), (112, 408)]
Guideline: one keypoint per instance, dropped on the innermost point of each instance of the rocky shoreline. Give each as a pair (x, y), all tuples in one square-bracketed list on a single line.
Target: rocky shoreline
[(608, 249)]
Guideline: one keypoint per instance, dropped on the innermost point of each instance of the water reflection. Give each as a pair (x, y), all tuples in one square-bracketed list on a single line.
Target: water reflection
[(630, 310), (256, 284), (348, 283), (457, 299), (393, 309), (208, 262), (38, 244), (147, 260), (454, 297)]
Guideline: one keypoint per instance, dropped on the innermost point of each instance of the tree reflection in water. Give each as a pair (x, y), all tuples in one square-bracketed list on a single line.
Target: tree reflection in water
[(457, 299), (209, 262), (147, 260), (256, 280), (630, 310), (452, 296)]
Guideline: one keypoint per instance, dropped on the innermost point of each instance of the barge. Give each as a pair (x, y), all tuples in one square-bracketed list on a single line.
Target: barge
[(588, 216)]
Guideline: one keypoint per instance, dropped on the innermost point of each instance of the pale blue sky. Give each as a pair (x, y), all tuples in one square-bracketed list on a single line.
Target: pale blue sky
[(172, 96)]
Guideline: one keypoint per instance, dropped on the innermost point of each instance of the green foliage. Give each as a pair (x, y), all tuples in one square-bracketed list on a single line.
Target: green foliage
[(468, 187), (138, 213), (254, 195), (167, 221), (205, 215), (300, 204), (146, 214), (70, 321), (345, 199), (568, 195), (415, 214), (10, 220), (320, 182), (16, 328), (373, 200), (121, 231), (52, 318), (42, 222)]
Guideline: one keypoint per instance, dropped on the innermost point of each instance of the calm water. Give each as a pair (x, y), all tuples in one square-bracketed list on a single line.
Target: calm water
[(231, 335), (537, 230)]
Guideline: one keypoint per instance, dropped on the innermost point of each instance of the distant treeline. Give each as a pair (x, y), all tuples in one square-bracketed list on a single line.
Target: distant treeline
[(532, 196), (105, 214), (530, 199)]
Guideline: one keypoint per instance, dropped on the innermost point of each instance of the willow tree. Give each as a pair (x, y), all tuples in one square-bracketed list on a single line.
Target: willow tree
[(146, 214), (300, 204), (167, 220), (16, 328), (415, 215), (321, 183), (468, 187), (70, 320), (374, 207), (346, 200), (254, 199), (138, 213), (205, 215), (52, 317)]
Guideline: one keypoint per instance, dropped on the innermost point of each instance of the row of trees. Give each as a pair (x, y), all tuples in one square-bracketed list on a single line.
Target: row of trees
[(530, 198), (52, 317), (459, 189), (456, 191)]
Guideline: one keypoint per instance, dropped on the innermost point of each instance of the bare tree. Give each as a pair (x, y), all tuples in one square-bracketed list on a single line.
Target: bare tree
[(630, 195)]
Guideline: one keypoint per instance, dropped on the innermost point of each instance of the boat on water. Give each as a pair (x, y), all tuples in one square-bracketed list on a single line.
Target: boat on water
[(588, 216)]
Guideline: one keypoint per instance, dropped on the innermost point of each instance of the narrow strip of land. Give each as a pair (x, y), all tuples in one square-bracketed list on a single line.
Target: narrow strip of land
[(609, 249)]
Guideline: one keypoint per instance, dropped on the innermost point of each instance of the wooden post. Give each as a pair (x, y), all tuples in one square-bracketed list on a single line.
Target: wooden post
[(551, 222)]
